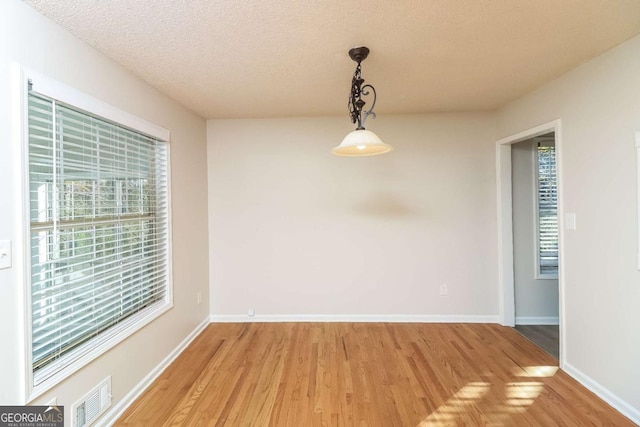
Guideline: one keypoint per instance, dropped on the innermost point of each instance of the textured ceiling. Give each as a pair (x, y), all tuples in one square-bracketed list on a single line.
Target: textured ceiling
[(232, 58)]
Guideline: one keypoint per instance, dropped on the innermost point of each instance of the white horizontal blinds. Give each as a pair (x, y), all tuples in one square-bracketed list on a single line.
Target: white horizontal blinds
[(99, 229), (547, 209)]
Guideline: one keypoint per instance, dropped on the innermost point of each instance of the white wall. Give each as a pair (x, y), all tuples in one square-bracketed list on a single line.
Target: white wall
[(599, 107), (295, 230), (31, 40), (536, 299)]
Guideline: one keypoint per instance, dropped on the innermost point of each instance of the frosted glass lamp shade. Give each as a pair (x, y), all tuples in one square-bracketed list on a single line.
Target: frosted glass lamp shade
[(361, 142)]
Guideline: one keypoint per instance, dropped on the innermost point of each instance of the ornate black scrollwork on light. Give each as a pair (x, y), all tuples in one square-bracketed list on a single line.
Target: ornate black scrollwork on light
[(356, 103)]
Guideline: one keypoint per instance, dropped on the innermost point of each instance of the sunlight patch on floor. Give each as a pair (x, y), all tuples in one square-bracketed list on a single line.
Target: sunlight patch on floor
[(457, 404), (535, 371), (520, 395)]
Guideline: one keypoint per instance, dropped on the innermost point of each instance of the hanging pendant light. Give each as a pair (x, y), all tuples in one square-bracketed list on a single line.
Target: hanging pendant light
[(360, 142)]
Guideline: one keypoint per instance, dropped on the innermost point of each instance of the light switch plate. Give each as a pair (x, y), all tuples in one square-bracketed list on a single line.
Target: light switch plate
[(5, 254), (570, 221)]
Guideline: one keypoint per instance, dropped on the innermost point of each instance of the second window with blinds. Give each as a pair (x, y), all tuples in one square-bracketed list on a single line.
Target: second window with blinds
[(546, 208)]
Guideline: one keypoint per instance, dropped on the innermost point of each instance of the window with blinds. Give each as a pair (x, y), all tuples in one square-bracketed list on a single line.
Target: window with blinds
[(547, 210), (99, 239)]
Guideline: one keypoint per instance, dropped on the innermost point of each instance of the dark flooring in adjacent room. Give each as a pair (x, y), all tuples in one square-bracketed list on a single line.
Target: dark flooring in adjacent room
[(547, 337)]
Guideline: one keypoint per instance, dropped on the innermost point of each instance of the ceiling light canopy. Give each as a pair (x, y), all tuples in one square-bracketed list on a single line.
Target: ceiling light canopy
[(360, 142)]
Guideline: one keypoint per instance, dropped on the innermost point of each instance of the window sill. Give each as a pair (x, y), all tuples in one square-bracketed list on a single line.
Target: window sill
[(94, 349)]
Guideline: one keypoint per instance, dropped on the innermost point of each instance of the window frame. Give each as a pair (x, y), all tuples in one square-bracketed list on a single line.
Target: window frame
[(536, 208), (113, 336)]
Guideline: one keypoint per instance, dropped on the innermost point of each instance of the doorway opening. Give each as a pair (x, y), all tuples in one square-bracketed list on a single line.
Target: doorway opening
[(529, 205), (535, 240)]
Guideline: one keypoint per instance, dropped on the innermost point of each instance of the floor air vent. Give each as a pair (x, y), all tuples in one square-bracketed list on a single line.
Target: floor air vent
[(85, 411)]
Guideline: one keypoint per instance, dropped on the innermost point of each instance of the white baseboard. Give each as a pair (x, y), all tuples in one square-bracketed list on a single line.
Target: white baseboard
[(540, 320), (614, 401), (390, 318), (116, 412)]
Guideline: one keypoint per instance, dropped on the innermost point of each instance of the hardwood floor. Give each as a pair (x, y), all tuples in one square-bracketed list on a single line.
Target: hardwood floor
[(366, 374), (546, 337)]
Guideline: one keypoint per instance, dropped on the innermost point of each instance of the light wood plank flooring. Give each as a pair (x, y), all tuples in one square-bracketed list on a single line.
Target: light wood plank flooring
[(366, 374)]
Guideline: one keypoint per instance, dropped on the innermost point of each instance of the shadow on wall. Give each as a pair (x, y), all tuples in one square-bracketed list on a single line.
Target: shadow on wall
[(385, 205)]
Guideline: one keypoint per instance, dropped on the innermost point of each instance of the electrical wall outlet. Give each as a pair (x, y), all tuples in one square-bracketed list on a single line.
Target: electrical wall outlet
[(199, 297), (252, 312), (5, 254), (444, 290)]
